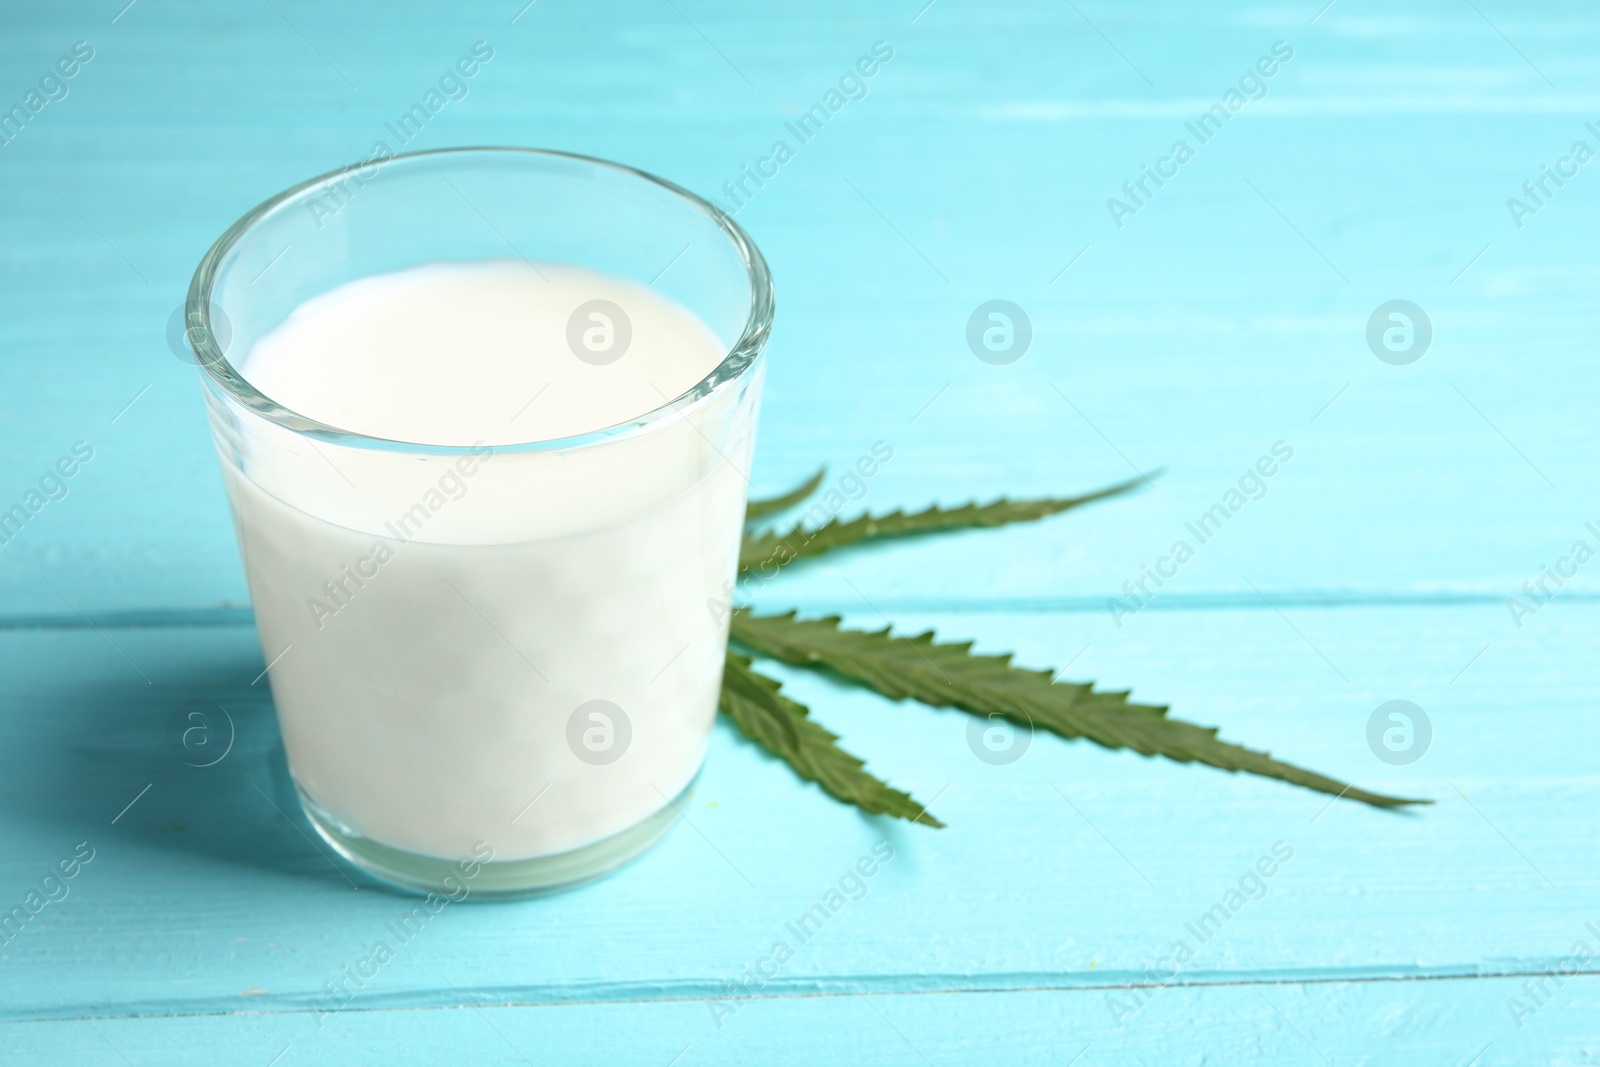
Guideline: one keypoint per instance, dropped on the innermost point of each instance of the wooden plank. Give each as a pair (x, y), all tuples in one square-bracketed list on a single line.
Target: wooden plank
[(1193, 338), (1071, 867), (1379, 1023)]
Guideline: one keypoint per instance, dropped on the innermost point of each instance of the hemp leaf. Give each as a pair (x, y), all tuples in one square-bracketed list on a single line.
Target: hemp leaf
[(944, 675), (951, 675), (760, 509), (799, 542), (784, 728)]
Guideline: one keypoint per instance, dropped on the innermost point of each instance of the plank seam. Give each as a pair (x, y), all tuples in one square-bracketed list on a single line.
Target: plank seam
[(827, 987), (224, 616)]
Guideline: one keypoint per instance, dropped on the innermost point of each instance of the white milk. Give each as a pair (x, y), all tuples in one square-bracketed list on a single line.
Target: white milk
[(445, 616)]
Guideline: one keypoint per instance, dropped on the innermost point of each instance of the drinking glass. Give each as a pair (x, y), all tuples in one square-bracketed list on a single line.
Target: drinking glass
[(518, 695)]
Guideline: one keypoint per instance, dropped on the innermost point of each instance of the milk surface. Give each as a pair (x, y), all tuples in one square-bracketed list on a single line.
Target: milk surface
[(455, 353), (449, 625)]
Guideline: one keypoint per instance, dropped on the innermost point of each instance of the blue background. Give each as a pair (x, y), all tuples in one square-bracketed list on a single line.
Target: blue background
[(1228, 313)]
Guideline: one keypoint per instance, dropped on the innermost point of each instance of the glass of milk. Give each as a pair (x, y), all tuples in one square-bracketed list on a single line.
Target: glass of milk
[(485, 419)]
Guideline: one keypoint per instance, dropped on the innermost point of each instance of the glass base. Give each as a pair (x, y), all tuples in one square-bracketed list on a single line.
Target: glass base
[(497, 879)]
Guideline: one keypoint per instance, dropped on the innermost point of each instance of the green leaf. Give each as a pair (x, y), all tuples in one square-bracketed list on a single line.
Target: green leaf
[(760, 509), (784, 728), (798, 542), (950, 675)]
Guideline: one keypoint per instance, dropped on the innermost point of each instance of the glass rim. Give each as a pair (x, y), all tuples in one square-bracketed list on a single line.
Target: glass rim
[(744, 355)]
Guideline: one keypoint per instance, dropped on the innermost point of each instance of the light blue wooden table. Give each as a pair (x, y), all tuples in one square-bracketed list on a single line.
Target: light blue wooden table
[(1227, 311)]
